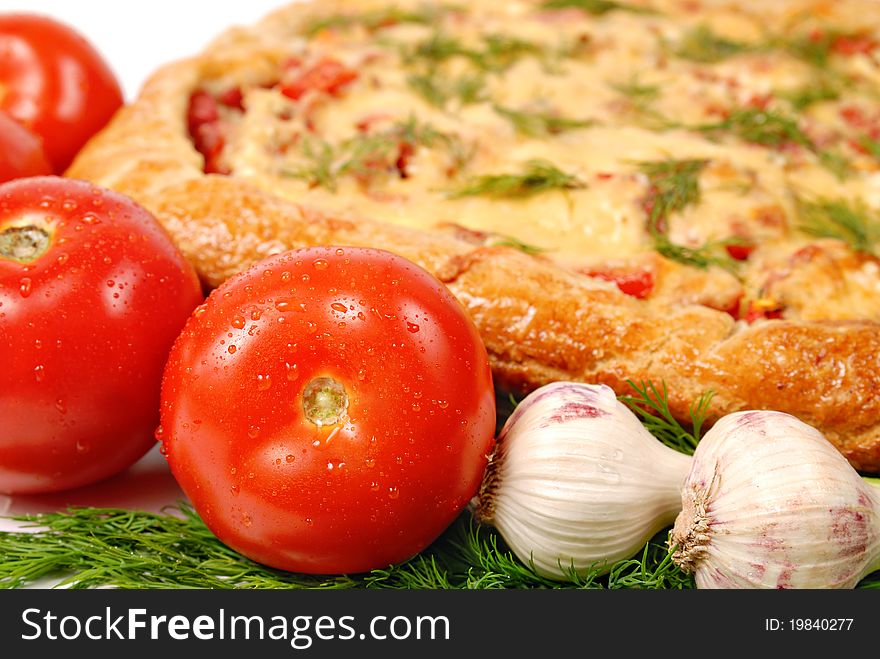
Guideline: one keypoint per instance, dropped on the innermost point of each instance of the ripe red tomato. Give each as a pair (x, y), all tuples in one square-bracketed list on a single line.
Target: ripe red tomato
[(54, 83), (21, 152), (92, 295), (329, 410)]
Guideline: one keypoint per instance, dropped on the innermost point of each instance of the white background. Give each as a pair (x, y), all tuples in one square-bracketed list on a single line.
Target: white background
[(135, 38)]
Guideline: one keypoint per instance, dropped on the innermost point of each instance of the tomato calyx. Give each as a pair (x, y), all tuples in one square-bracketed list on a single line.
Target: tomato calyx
[(25, 243), (325, 402)]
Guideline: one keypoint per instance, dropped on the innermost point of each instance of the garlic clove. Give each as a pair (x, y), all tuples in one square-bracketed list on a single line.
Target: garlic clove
[(577, 482), (770, 503)]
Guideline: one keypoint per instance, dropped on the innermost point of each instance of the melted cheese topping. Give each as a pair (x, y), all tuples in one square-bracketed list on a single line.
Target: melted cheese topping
[(652, 81)]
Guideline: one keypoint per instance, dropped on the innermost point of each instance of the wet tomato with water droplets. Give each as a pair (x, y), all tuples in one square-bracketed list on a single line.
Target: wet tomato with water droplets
[(92, 295), (329, 410)]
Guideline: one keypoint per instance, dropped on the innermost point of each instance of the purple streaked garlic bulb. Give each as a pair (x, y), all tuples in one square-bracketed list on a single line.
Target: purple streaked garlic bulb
[(577, 482), (770, 503)]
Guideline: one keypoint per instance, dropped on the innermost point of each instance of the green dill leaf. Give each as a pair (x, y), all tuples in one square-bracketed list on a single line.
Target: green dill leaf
[(803, 97), (813, 48), (538, 124), (439, 90), (537, 176), (836, 163), (702, 44), (502, 51), (319, 170), (651, 405), (870, 145), (848, 221), (766, 127), (510, 241), (369, 154), (674, 185), (596, 7), (375, 20), (637, 91), (701, 257), (497, 52)]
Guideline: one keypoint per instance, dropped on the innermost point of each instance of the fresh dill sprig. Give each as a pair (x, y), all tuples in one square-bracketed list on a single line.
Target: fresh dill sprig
[(674, 185), (870, 145), (638, 92), (101, 547), (538, 124), (848, 221), (702, 44), (596, 7), (766, 127), (515, 243), (775, 129), (439, 90), (370, 153), (375, 20), (537, 176), (652, 407), (497, 52), (803, 97), (641, 96)]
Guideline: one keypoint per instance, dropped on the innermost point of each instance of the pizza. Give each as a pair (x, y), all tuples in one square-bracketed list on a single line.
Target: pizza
[(682, 192)]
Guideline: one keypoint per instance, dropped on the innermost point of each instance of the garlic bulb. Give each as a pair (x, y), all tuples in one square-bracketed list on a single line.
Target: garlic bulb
[(577, 482), (770, 503)]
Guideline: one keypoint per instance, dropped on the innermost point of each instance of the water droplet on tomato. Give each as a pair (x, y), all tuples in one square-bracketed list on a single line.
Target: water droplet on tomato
[(61, 406), (39, 372), (253, 432), (309, 521), (232, 471), (163, 449), (83, 447), (231, 350), (256, 313), (285, 276), (393, 492), (340, 251), (370, 462), (110, 283), (62, 259), (289, 458), (38, 344), (234, 489), (292, 372), (159, 433), (320, 264), (338, 306), (374, 486), (284, 304), (238, 322), (278, 462), (91, 218), (329, 466), (68, 205), (264, 381), (362, 375), (416, 407), (246, 519), (411, 327), (24, 286)]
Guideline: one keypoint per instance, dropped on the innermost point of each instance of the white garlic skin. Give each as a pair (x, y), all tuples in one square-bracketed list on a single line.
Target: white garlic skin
[(770, 503), (577, 482)]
